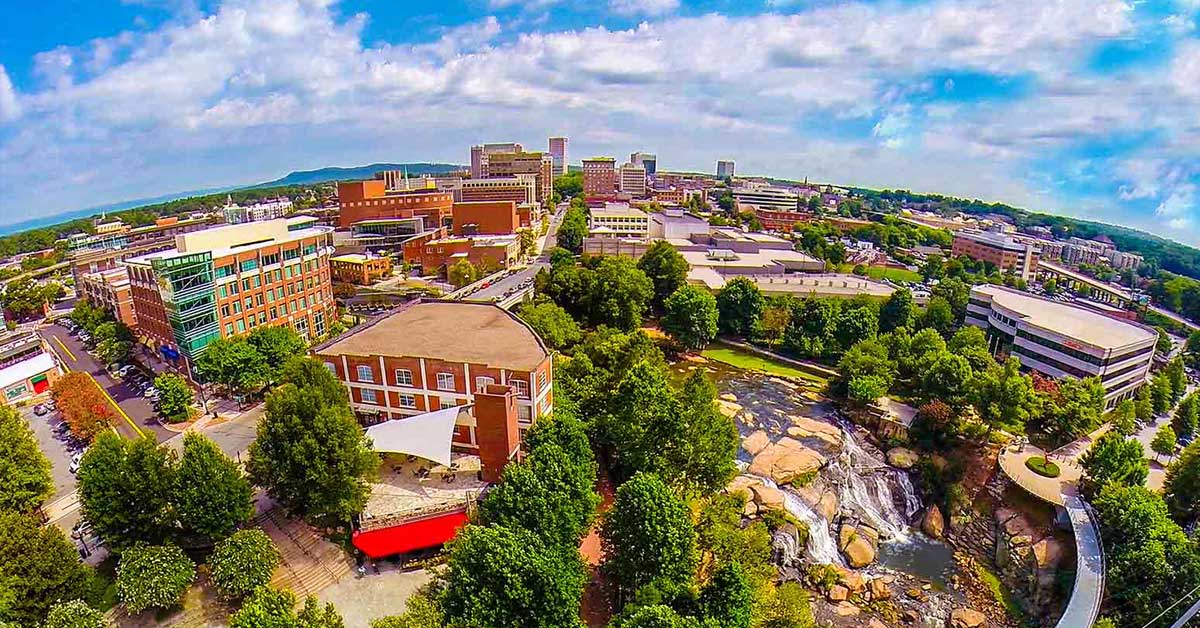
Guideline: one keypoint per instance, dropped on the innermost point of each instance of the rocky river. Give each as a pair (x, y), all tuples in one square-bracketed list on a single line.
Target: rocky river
[(863, 514)]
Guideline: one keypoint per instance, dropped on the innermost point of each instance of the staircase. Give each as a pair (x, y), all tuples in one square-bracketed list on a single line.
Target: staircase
[(309, 562)]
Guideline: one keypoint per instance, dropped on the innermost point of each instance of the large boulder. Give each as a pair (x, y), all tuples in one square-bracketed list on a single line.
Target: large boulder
[(902, 457), (767, 497), (846, 609), (933, 524), (838, 593), (804, 427), (879, 589), (966, 618), (786, 460), (823, 502), (743, 484), (728, 408), (756, 442), (855, 546), (851, 580)]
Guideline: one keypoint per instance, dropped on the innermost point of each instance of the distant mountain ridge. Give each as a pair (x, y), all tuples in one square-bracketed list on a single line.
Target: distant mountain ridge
[(333, 173), (298, 177)]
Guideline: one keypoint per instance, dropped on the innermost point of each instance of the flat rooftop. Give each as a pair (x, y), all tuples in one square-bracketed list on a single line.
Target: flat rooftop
[(455, 331), (1073, 321), (618, 210), (252, 235), (407, 487)]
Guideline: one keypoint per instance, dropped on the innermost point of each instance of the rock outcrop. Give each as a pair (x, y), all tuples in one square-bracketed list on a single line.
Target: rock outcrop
[(804, 427), (932, 524), (823, 501), (858, 544), (966, 618), (756, 442), (786, 460), (1028, 559)]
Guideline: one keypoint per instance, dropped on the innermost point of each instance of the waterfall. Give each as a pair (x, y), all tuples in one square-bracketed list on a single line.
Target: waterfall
[(912, 503), (821, 548), (873, 490)]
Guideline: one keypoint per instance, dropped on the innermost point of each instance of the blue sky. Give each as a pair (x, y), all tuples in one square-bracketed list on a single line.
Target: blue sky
[(1083, 107)]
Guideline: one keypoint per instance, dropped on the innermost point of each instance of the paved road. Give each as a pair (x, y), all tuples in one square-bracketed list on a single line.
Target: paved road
[(1175, 317), (135, 415), (55, 449), (514, 280)]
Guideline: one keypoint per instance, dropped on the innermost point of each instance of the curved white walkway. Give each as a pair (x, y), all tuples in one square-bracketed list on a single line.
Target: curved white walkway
[(1088, 591)]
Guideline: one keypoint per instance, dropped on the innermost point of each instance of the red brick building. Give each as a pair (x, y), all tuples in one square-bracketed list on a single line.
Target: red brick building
[(370, 200), (600, 177), (490, 217), (437, 354), (780, 220)]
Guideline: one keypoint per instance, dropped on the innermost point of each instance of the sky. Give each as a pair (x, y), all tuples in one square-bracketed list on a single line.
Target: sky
[(1089, 108)]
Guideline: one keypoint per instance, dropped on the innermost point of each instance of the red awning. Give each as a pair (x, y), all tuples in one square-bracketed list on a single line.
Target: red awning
[(411, 536)]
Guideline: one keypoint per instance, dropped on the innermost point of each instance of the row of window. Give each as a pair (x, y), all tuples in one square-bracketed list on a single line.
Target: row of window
[(445, 381), (1045, 359), (1115, 375), (408, 401)]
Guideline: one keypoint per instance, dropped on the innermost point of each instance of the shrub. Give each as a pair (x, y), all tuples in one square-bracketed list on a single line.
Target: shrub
[(1042, 467), (242, 563), (74, 614), (153, 576)]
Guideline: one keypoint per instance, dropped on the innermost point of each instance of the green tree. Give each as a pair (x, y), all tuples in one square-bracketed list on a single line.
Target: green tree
[(1191, 350), (1050, 286), (1177, 377), (551, 493), (1187, 416), (313, 615), (1003, 396), (969, 342), (175, 396), (551, 323), (573, 230), (276, 345), (1163, 443), (113, 341), (856, 323), (947, 378), (74, 614), (1113, 459), (267, 608), (898, 311), (569, 184), (666, 269), (620, 294), (787, 607), (243, 562), (865, 369), (653, 616), (233, 363), (1164, 344), (939, 316), (700, 450), (38, 568), (647, 535), (498, 577), (212, 496), (1161, 393), (1144, 404), (153, 576), (25, 480), (1124, 418), (1149, 560), (740, 306), (87, 315), (311, 456), (811, 327), (311, 375), (1076, 409), (421, 610), (1181, 490), (462, 273), (125, 490), (727, 599), (691, 317)]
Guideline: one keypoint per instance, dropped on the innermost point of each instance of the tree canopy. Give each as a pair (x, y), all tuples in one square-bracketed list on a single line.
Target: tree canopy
[(666, 269), (243, 562), (552, 323), (740, 306), (25, 480), (125, 490), (153, 576), (212, 496), (690, 317), (648, 535), (1113, 459), (39, 567)]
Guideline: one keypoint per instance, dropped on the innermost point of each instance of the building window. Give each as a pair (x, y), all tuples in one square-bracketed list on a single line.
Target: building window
[(521, 386), (482, 383), (524, 413), (368, 395), (408, 401), (332, 368), (319, 323), (241, 326), (228, 329), (249, 264), (445, 381), (365, 374), (403, 377), (541, 381)]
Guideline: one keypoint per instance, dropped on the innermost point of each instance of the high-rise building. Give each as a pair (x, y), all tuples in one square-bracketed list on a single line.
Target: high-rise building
[(558, 150), (540, 165), (633, 180), (599, 177), (480, 153), (724, 169), (226, 281), (370, 201), (1004, 251), (649, 161)]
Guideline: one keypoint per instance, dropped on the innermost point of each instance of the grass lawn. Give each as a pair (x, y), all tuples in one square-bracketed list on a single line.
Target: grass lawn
[(1042, 467), (879, 272), (1000, 592), (753, 362)]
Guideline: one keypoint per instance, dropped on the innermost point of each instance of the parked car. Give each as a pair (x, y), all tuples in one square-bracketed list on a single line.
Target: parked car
[(75, 460), (150, 392), (40, 410)]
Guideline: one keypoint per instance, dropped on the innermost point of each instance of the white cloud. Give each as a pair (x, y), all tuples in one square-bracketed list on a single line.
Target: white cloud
[(643, 7), (264, 86), (9, 108)]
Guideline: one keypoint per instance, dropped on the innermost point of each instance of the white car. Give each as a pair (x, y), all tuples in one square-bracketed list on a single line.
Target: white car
[(150, 393), (75, 460)]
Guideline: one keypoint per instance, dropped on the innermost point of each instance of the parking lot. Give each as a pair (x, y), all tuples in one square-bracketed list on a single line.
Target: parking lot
[(54, 446), (136, 415)]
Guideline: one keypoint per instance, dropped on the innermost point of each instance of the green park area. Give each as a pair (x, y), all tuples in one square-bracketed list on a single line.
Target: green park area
[(743, 359)]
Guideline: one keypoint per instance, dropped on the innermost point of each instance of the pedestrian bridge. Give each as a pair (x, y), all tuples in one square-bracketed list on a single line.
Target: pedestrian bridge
[(1062, 492)]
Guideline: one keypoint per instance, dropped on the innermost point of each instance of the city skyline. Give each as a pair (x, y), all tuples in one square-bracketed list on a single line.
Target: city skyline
[(1081, 108)]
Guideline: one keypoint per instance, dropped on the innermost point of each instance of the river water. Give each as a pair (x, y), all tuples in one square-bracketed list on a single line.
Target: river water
[(868, 490)]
